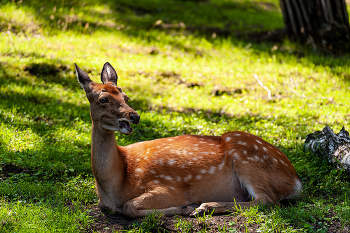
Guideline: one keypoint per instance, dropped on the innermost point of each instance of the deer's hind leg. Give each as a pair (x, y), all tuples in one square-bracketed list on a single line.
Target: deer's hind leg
[(164, 200), (221, 207)]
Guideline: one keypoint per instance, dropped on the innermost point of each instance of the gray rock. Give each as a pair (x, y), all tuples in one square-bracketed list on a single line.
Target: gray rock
[(335, 148)]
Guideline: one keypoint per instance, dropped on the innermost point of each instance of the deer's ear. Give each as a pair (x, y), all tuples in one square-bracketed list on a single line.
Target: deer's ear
[(83, 78), (108, 74)]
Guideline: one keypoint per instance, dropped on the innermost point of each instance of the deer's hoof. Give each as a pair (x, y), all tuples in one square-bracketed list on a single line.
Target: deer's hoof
[(197, 212)]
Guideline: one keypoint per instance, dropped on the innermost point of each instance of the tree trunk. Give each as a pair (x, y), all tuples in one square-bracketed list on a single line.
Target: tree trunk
[(318, 22)]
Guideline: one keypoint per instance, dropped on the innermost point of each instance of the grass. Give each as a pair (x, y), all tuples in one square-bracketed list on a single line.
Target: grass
[(181, 82)]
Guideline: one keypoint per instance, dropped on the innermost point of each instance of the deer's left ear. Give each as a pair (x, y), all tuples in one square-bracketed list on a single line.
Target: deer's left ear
[(83, 78), (108, 74)]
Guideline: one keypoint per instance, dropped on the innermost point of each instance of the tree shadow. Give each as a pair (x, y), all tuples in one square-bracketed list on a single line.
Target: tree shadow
[(200, 19)]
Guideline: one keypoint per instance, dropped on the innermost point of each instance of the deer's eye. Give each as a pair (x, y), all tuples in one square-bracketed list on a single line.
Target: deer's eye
[(103, 100)]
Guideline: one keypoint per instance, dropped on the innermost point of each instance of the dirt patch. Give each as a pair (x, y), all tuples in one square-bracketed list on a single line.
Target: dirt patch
[(108, 222), (105, 221)]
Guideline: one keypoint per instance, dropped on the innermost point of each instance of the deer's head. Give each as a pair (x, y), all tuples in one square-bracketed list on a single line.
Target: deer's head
[(108, 102)]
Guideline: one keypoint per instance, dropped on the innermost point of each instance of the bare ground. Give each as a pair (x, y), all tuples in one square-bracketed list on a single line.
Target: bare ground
[(108, 222)]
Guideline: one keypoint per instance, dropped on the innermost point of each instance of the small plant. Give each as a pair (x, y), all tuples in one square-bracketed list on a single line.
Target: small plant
[(202, 220), (150, 223), (183, 225)]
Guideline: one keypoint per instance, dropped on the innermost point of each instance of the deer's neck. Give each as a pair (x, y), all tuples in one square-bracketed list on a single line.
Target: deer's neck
[(107, 163)]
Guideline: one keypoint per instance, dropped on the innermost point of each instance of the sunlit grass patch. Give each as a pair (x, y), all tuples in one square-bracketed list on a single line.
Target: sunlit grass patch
[(21, 217)]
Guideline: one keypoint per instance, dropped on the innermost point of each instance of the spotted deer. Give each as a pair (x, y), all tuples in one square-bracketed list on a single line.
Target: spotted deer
[(176, 174)]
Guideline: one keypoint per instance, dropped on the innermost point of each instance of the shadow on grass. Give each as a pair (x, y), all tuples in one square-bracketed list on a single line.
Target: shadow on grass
[(201, 19)]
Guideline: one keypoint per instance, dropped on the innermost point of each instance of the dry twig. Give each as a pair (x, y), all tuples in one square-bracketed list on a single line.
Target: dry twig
[(263, 86)]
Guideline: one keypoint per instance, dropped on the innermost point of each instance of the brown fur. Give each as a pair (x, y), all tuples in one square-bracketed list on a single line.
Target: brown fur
[(169, 174)]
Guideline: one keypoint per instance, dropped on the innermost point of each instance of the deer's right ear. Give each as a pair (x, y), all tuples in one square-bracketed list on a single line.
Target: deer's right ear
[(83, 78), (108, 74)]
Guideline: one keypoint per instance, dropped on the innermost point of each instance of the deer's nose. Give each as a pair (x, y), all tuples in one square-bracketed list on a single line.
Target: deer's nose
[(135, 118)]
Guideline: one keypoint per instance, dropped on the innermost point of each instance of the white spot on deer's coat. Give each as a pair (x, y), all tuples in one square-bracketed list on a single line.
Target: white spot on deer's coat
[(141, 187), (244, 161), (194, 159), (160, 161), (138, 170), (158, 146), (235, 156), (206, 153), (283, 163), (198, 177), (195, 144), (275, 160), (213, 153), (231, 152), (137, 160), (171, 162), (188, 177), (237, 134), (242, 143), (156, 181), (168, 178), (161, 176), (172, 188), (265, 156), (178, 178), (169, 139), (211, 144), (258, 141), (203, 171), (264, 148), (221, 165), (202, 142), (151, 171), (200, 157), (256, 147), (227, 139), (190, 153), (244, 152), (256, 157), (212, 170)]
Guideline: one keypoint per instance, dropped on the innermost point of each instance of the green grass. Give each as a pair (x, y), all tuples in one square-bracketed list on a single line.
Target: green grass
[(180, 82)]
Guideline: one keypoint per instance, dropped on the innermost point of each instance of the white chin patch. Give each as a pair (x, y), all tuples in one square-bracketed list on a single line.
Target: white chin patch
[(110, 127), (125, 131), (114, 128)]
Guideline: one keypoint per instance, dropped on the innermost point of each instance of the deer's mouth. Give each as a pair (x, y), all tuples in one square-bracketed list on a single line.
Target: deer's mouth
[(124, 124)]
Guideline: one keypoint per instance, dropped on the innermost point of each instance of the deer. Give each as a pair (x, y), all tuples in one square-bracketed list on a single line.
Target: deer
[(182, 175)]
